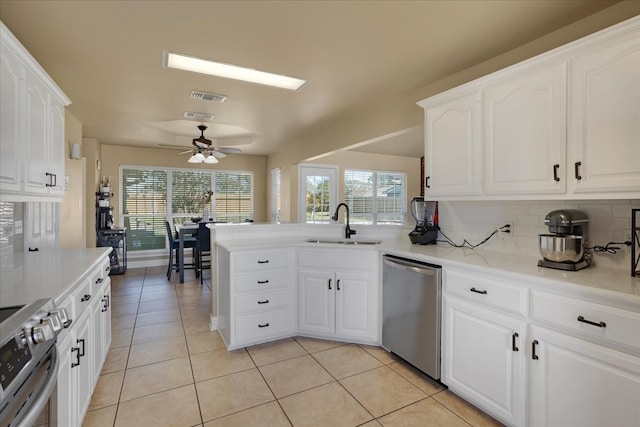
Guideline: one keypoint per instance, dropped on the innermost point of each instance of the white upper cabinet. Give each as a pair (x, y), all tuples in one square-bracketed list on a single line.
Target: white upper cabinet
[(524, 131), (604, 118), (32, 117), (453, 161), (562, 125)]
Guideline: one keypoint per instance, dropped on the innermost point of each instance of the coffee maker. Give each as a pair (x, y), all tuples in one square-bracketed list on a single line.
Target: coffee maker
[(563, 248), (426, 215)]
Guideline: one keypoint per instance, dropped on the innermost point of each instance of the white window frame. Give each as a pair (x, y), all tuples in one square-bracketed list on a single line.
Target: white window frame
[(276, 207), (374, 201), (311, 169)]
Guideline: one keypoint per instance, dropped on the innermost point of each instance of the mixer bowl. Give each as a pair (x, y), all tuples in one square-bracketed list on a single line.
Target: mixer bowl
[(561, 248)]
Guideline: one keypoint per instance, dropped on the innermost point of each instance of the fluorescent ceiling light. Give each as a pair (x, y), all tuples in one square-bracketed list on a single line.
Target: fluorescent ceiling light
[(197, 65)]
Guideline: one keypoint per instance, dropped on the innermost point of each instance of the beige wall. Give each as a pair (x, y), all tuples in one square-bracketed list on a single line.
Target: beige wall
[(114, 156), (91, 153), (393, 115), (72, 208)]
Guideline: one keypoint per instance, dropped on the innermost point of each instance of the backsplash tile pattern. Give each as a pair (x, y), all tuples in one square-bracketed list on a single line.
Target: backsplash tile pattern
[(609, 221)]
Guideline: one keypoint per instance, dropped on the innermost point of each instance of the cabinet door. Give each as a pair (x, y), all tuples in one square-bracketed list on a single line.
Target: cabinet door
[(84, 371), (356, 306), (36, 135), (96, 346), (56, 150), (576, 383), (453, 154), (106, 319), (484, 359), (67, 381), (604, 125), (316, 302), (11, 117), (525, 137)]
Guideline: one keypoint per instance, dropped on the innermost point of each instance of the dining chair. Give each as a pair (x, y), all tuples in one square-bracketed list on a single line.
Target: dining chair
[(174, 245), (203, 249)]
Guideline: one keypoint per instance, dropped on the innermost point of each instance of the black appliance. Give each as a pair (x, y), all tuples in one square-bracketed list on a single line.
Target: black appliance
[(426, 215)]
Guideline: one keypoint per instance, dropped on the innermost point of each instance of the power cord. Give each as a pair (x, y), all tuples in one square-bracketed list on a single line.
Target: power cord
[(608, 248), (466, 244)]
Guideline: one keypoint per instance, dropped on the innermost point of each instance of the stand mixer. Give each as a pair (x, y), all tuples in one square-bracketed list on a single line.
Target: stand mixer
[(426, 216), (563, 249)]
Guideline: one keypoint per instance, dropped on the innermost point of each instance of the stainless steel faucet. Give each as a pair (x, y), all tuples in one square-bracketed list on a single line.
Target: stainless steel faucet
[(347, 231)]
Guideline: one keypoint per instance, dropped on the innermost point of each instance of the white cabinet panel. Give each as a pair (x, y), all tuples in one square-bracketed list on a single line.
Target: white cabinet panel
[(11, 137), (36, 134), (604, 126), (453, 158), (316, 302), (525, 133), (576, 383), (356, 315), (484, 359)]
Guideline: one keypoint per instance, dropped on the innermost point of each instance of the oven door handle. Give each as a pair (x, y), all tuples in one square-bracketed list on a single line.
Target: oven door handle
[(41, 400)]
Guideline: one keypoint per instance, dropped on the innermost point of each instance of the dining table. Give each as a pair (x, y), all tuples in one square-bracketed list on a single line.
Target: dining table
[(188, 229)]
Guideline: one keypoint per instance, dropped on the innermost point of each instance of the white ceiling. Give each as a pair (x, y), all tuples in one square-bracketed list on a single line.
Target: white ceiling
[(107, 57)]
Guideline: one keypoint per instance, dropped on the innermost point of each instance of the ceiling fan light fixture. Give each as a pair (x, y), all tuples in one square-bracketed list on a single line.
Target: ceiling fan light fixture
[(211, 160), (196, 158), (219, 69)]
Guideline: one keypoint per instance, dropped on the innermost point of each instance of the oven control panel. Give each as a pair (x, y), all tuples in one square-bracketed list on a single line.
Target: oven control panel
[(13, 357)]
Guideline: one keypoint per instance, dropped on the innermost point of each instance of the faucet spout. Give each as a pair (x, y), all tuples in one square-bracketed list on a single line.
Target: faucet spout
[(348, 232)]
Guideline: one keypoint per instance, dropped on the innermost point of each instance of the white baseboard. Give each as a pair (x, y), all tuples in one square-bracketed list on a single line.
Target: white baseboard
[(213, 322)]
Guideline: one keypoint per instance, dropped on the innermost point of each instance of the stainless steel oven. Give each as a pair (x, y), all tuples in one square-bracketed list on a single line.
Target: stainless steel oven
[(28, 362)]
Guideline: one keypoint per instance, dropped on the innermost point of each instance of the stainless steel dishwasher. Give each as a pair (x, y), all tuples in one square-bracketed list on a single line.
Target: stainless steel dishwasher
[(411, 294)]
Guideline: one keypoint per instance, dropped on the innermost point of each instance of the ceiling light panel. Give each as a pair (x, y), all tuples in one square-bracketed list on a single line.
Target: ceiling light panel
[(201, 117), (197, 65), (196, 94)]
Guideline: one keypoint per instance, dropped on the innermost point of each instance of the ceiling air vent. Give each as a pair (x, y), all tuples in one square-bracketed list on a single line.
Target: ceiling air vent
[(207, 96), (201, 117)]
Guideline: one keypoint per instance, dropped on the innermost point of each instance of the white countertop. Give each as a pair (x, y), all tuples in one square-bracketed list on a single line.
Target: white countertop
[(44, 274), (596, 281)]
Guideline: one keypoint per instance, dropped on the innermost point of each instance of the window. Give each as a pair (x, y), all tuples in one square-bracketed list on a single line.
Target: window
[(144, 207), (152, 196), (375, 197), (233, 196), (317, 198), (275, 195)]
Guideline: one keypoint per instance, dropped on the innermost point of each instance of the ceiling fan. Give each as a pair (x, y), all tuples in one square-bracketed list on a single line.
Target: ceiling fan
[(205, 152)]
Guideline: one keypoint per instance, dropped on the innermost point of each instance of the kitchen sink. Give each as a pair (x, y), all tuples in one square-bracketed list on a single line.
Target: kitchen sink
[(345, 242)]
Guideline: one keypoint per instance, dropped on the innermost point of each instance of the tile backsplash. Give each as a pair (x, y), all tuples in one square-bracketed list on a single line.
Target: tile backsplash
[(609, 221)]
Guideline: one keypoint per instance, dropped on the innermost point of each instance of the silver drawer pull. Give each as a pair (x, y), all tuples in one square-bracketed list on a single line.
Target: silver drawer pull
[(598, 324), (484, 292), (264, 302)]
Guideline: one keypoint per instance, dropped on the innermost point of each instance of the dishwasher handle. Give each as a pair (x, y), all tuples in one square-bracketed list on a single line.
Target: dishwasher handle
[(410, 266)]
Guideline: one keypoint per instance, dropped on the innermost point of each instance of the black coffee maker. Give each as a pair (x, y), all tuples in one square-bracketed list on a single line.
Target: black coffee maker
[(426, 215)]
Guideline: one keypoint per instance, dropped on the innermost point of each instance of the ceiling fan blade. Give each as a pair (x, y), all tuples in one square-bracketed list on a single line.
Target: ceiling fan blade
[(217, 154), (185, 152), (228, 150)]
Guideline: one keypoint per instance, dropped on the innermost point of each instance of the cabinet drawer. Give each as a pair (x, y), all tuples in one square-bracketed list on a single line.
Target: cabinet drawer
[(597, 321), (350, 259), (487, 291), (260, 260), (261, 326), (82, 296), (98, 276), (262, 301), (262, 280)]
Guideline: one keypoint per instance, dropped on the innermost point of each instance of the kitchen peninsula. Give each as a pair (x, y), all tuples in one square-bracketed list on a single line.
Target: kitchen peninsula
[(523, 328)]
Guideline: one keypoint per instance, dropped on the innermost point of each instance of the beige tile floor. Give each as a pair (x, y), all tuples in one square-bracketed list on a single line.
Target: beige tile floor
[(165, 368)]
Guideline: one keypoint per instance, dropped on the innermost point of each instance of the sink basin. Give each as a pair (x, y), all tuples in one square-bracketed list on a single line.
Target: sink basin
[(345, 242)]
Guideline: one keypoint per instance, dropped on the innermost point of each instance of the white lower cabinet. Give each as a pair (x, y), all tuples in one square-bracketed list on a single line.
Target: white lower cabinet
[(82, 348), (578, 383), (484, 359), (532, 354), (255, 296), (338, 297)]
